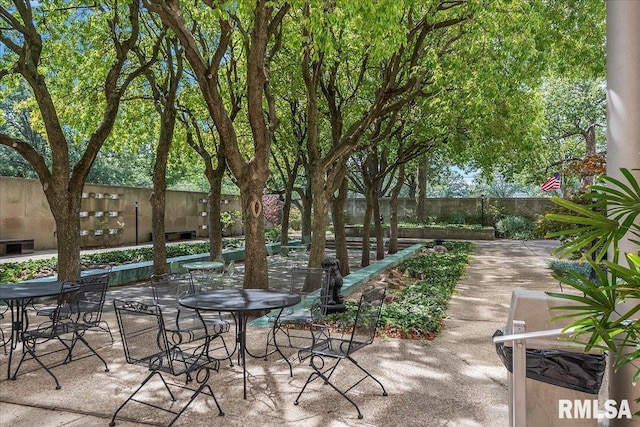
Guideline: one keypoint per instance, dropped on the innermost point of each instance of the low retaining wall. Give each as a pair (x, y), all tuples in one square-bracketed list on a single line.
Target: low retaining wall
[(355, 280), (485, 233)]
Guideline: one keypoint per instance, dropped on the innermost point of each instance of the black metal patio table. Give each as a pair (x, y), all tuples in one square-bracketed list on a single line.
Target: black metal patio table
[(18, 296), (240, 302)]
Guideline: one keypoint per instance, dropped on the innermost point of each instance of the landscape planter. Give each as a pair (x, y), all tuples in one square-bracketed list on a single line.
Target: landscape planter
[(484, 233)]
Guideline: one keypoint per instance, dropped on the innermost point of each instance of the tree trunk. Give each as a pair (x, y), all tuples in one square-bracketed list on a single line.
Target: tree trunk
[(165, 102), (319, 221), (215, 176), (337, 210), (366, 227), (255, 269), (379, 230), (306, 211), (159, 194), (158, 202), (251, 174), (65, 208), (393, 211), (286, 210), (422, 194)]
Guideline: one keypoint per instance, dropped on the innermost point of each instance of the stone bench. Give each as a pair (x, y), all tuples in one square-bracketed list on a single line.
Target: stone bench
[(177, 235), (16, 246)]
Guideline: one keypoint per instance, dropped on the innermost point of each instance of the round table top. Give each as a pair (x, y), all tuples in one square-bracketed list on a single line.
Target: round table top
[(27, 290), (240, 300), (203, 265)]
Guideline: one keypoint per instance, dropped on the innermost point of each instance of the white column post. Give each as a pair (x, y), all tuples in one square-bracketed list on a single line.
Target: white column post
[(623, 141)]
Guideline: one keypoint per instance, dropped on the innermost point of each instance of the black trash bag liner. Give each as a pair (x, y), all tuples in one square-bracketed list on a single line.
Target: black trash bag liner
[(576, 371)]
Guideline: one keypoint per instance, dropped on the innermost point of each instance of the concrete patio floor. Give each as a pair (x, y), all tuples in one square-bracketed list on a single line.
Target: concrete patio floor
[(454, 380)]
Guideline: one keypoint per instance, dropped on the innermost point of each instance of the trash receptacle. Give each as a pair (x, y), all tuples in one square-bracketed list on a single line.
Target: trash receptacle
[(562, 382)]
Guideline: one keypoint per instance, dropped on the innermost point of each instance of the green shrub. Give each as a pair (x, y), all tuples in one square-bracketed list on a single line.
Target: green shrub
[(544, 225), (419, 308), (423, 304), (565, 268), (273, 234), (458, 217), (26, 270), (295, 219), (515, 227)]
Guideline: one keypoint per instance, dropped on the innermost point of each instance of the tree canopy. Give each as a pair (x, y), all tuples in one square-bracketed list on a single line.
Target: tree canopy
[(302, 88)]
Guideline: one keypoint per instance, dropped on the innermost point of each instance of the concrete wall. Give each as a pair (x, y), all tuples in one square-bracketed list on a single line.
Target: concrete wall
[(107, 217), (108, 214)]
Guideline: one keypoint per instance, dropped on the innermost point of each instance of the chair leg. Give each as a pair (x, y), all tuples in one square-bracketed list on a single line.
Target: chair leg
[(200, 389), (368, 374), (319, 374), (224, 345), (146, 380), (4, 342), (30, 349), (106, 329), (34, 357), (73, 344)]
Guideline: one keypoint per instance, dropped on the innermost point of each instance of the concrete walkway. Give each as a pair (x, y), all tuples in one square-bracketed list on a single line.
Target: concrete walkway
[(455, 380)]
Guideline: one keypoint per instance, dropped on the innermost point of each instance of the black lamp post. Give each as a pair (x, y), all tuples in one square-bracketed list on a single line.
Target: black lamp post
[(136, 204), (482, 210)]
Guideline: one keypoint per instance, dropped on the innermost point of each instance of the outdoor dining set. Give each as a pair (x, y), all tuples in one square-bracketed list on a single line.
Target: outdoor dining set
[(183, 328)]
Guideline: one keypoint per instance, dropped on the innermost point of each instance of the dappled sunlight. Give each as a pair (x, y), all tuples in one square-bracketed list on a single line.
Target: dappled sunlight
[(455, 380)]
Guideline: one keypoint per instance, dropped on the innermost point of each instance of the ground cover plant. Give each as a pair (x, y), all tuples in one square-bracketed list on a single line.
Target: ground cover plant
[(416, 308), (30, 269)]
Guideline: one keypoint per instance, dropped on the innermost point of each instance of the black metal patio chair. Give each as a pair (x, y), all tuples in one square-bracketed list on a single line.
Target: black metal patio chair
[(145, 343), (300, 326), (65, 325), (92, 294), (86, 312), (339, 349), (93, 290), (223, 278), (184, 325)]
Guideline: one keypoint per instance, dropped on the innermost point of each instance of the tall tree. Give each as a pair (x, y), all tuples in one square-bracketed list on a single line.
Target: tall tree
[(33, 40), (362, 78), (575, 124), (164, 81), (204, 142), (206, 40)]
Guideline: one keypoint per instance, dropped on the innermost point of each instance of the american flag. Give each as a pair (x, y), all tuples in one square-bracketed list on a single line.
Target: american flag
[(552, 183)]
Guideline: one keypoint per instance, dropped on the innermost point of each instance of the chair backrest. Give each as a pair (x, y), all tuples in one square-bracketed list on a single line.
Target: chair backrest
[(176, 267), (305, 280), (91, 295), (220, 259), (67, 309), (168, 287), (143, 335), (231, 268), (367, 318), (145, 341)]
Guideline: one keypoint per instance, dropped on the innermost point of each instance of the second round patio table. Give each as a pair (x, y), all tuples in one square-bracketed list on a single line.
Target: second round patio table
[(203, 265), (240, 302)]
